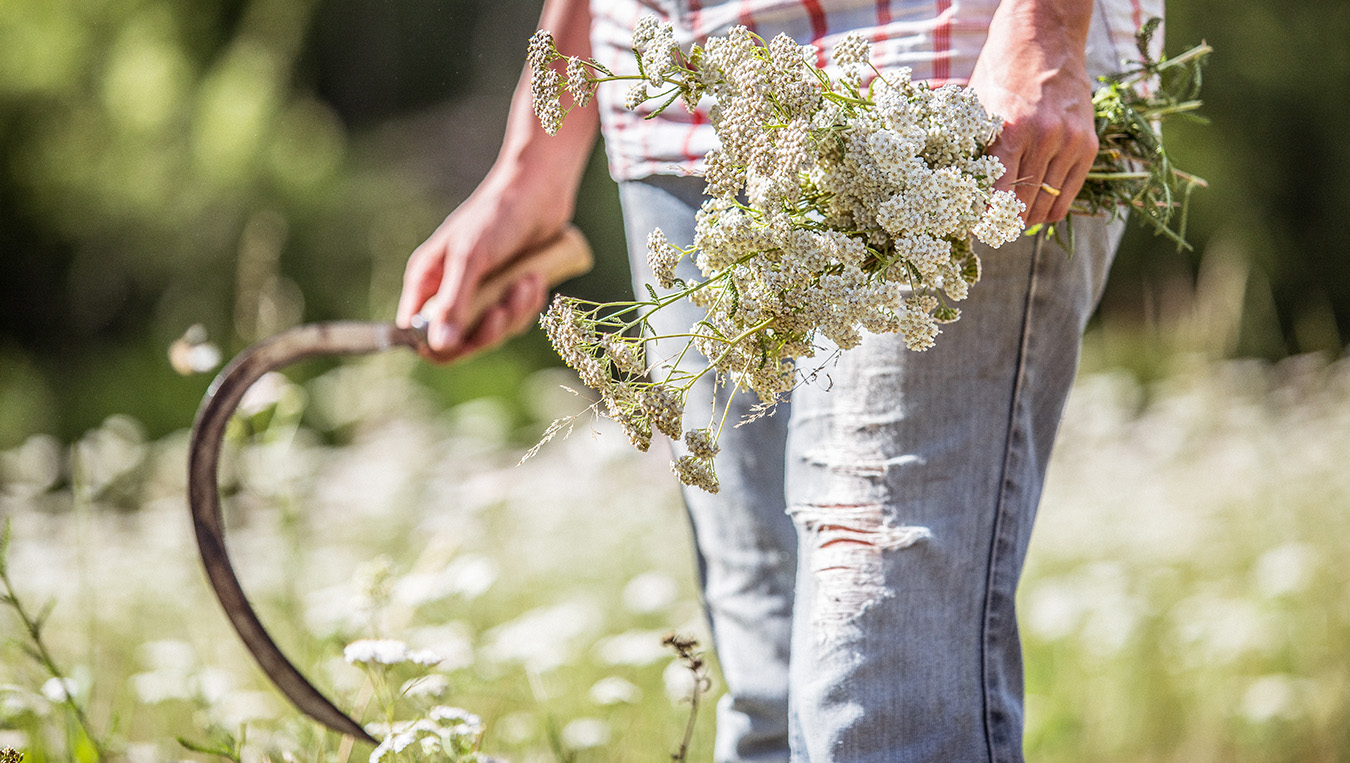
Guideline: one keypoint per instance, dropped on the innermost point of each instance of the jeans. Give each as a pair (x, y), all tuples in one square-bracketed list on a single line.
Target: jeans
[(860, 562)]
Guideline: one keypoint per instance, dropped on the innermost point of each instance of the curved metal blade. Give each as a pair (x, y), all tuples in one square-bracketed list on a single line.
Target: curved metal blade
[(336, 338)]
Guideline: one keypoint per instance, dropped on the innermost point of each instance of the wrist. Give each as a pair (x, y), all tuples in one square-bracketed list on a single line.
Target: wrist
[(1056, 30), (536, 183)]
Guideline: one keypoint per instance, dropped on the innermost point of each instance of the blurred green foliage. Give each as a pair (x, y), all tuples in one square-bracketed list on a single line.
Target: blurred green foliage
[(249, 164), (1270, 224)]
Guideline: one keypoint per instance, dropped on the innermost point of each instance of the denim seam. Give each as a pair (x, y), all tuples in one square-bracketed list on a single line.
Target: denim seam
[(999, 509)]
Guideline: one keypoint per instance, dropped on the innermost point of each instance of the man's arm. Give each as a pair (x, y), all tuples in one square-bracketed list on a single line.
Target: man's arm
[(525, 200), (1032, 73)]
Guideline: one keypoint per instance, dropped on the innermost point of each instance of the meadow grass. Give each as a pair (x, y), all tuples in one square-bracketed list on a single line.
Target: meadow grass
[(1186, 597)]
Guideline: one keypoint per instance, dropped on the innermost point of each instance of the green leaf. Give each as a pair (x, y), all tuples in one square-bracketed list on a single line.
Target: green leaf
[(1145, 37), (4, 546), (225, 750), (42, 615)]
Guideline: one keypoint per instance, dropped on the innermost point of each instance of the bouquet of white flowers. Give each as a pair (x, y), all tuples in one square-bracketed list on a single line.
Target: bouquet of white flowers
[(833, 208)]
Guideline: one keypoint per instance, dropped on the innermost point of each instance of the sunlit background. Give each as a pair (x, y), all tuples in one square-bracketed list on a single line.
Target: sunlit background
[(211, 172)]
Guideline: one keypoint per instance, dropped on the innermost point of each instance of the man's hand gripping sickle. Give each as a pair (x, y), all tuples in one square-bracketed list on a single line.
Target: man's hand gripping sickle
[(565, 255), (525, 200)]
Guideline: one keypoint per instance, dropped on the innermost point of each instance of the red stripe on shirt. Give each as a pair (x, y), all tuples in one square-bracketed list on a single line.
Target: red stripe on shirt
[(817, 16), (819, 27), (745, 17), (883, 19), (942, 41)]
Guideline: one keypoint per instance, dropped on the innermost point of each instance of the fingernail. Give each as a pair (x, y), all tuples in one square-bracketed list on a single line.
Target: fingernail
[(443, 336)]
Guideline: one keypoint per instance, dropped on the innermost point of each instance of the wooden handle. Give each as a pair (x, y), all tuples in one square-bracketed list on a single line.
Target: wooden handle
[(566, 255)]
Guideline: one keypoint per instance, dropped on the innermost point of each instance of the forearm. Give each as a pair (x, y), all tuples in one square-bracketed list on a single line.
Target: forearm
[(1037, 40), (543, 166), (525, 200), (1051, 33)]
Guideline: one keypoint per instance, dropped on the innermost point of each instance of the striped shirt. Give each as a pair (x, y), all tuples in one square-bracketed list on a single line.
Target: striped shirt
[(938, 39)]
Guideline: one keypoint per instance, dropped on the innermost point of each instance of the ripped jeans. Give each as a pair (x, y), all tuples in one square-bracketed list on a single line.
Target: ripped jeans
[(860, 562)]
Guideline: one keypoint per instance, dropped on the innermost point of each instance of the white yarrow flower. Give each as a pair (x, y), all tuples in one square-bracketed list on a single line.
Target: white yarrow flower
[(833, 210), (387, 652)]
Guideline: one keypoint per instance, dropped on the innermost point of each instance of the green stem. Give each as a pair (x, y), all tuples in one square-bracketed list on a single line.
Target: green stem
[(679, 359), (731, 344), (1176, 108), (34, 630), (1118, 176)]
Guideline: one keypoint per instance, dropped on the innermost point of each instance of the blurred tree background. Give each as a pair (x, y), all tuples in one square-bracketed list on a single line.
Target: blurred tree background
[(247, 165)]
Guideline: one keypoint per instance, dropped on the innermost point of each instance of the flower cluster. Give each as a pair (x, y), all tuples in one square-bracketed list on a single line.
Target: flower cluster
[(833, 210), (447, 733), (836, 206), (437, 732), (579, 78), (387, 652)]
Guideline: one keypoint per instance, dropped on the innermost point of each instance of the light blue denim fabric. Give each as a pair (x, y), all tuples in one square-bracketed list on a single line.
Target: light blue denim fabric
[(746, 542), (860, 562)]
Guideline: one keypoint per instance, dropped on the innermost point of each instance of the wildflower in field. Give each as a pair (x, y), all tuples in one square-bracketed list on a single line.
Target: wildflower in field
[(433, 685), (387, 652), (445, 734), (585, 733), (58, 690), (614, 690)]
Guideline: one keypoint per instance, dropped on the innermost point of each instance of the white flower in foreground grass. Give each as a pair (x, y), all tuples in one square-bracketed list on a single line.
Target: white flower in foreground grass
[(585, 733), (614, 690), (433, 685), (679, 682), (446, 734), (650, 592), (58, 690), (387, 652), (633, 647)]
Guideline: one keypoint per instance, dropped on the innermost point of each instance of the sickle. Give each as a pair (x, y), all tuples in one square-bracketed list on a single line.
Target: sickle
[(563, 257), (346, 338)]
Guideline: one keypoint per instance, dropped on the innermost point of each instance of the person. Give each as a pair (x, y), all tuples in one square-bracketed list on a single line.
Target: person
[(860, 563)]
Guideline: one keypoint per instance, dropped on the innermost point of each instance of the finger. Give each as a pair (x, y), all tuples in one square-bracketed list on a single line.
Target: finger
[(1047, 190), (446, 312), (525, 300), (420, 279), (490, 331), (1026, 154), (1073, 183), (1017, 184), (1008, 181), (517, 311)]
